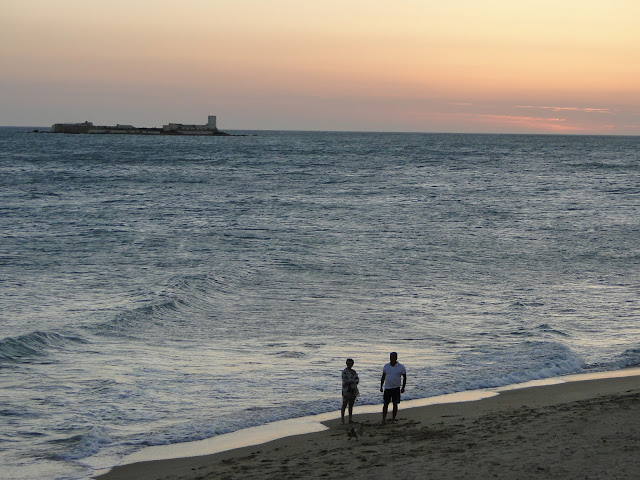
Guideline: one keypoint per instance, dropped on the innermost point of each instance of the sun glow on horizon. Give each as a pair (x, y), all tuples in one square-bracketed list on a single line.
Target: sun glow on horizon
[(510, 67)]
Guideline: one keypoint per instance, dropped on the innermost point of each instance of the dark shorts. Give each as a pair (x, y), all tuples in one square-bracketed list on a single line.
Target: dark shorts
[(391, 395)]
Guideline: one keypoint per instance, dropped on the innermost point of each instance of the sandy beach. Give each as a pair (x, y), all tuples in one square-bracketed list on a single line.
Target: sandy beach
[(575, 430)]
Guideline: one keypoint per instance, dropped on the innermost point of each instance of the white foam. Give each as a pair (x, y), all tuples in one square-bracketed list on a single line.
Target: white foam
[(298, 426), (280, 429), (578, 377), (229, 441)]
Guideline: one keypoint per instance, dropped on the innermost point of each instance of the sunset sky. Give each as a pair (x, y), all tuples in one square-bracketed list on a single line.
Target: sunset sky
[(503, 66)]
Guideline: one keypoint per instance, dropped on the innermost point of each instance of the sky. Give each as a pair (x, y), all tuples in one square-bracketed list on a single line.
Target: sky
[(481, 66)]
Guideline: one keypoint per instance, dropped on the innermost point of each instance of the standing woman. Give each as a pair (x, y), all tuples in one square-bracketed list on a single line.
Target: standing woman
[(350, 391)]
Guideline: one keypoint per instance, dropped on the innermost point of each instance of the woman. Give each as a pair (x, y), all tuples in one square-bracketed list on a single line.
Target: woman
[(350, 391)]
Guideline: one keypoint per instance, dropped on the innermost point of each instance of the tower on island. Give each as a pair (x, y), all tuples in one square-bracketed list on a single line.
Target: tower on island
[(185, 129)]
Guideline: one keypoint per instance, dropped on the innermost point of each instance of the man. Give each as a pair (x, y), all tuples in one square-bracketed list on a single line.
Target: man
[(392, 385)]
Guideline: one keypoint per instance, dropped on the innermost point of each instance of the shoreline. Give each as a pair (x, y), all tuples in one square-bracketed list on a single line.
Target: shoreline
[(435, 423)]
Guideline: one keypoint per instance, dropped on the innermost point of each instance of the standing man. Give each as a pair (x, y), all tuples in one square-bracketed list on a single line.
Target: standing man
[(392, 385)]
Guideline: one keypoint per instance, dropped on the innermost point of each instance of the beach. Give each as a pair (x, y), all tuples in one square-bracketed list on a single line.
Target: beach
[(578, 429)]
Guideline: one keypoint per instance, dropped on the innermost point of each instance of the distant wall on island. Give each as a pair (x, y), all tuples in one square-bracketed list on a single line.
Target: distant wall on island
[(72, 127), (209, 128)]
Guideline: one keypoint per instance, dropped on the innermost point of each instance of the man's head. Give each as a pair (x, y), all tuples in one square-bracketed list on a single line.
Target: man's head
[(393, 358), (349, 362)]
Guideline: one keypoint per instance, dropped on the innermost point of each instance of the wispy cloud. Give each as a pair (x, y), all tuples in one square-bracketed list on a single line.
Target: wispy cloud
[(548, 124), (508, 118), (570, 109), (519, 118)]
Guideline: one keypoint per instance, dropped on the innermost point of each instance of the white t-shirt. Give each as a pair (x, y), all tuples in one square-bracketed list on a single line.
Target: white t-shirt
[(394, 375)]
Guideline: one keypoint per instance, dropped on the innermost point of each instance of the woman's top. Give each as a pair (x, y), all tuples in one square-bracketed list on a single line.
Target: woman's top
[(350, 382)]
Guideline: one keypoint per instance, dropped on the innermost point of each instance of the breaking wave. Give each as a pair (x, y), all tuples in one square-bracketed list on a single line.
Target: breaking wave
[(33, 345)]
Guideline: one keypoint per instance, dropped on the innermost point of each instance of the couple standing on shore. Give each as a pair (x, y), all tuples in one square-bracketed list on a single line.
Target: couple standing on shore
[(392, 383)]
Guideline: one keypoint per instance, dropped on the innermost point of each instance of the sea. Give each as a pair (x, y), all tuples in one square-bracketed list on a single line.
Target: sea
[(160, 290)]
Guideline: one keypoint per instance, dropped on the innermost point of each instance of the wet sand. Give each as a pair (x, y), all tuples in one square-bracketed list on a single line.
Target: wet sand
[(574, 430)]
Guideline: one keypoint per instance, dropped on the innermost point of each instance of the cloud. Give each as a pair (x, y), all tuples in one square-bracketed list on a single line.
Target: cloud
[(571, 109), (522, 122), (518, 118)]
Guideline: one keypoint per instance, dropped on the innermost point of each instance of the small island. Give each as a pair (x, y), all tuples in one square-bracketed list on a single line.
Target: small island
[(209, 128)]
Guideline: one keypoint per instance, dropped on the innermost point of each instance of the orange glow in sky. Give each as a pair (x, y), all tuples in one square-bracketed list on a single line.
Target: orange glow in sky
[(498, 66)]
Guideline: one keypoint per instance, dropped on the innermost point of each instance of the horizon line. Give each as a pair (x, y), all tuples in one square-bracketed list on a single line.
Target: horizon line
[(417, 132)]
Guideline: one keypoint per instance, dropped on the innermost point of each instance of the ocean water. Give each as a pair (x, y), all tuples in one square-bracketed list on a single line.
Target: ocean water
[(163, 290)]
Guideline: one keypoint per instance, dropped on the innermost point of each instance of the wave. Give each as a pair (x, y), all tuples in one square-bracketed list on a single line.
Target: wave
[(531, 360), (82, 445), (180, 303), (137, 321), (34, 344), (627, 359), (289, 354), (618, 164), (630, 358), (546, 328)]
